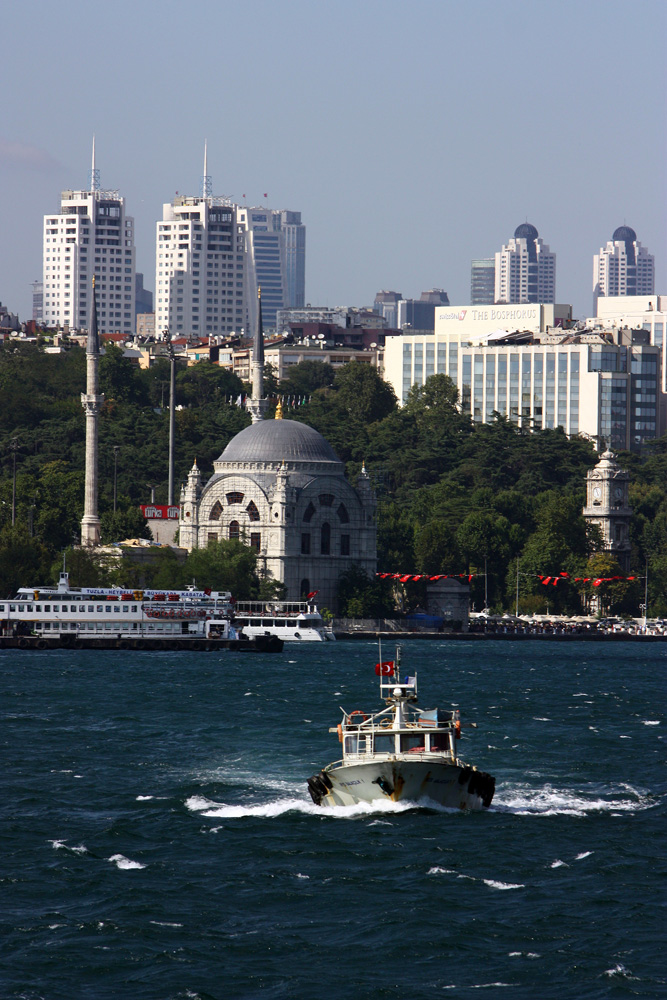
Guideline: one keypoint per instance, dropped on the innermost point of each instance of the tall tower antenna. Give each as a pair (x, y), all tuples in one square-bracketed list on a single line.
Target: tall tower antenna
[(94, 172), (206, 181)]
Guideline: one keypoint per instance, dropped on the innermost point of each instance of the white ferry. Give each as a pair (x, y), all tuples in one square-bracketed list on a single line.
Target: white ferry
[(291, 621), (112, 612), (401, 753)]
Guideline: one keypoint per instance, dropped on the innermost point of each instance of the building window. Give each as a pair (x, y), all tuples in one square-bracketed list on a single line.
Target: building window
[(234, 529), (325, 539), (305, 587), (345, 545), (234, 498), (326, 499), (343, 515), (253, 513), (255, 541), (308, 514), (305, 543), (212, 536), (216, 511)]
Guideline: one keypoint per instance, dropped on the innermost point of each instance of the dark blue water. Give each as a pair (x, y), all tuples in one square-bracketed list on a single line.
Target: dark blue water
[(158, 840)]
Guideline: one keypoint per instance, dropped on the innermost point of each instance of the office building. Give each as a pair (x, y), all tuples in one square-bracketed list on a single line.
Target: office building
[(525, 269), (538, 374), (91, 235), (38, 302), (483, 281), (419, 314), (275, 247), (199, 266), (623, 267), (386, 305)]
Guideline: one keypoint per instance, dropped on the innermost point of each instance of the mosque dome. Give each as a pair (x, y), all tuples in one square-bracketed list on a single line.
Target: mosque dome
[(525, 232), (273, 441), (624, 234)]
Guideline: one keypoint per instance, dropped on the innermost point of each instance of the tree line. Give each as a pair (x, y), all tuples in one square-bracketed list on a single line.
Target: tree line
[(492, 500)]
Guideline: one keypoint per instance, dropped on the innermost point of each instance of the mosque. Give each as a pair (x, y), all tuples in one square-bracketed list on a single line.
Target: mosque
[(279, 487)]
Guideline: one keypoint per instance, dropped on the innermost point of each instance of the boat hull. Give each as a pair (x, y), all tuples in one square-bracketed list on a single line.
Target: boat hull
[(422, 781)]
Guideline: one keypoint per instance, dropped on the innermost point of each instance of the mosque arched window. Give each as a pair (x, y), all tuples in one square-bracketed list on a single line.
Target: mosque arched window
[(326, 499), (343, 515), (305, 587), (253, 513), (325, 539), (216, 511), (308, 513), (234, 529), (234, 498)]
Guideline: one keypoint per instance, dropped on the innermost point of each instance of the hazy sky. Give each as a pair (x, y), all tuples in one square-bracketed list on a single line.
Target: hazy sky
[(413, 137)]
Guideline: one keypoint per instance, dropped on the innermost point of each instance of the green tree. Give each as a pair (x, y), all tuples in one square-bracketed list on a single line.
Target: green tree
[(24, 561), (225, 565), (307, 377)]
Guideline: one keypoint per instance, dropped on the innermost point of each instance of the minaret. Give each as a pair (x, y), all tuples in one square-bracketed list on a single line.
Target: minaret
[(257, 405), (91, 401)]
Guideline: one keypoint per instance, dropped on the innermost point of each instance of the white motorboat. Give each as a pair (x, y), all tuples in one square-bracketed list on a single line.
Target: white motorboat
[(292, 621), (402, 754)]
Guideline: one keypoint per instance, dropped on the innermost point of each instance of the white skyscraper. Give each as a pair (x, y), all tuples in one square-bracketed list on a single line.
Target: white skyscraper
[(199, 266), (623, 267), (91, 235), (525, 269)]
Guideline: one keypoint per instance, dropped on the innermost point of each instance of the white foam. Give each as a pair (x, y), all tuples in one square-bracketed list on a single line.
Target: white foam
[(437, 870), (299, 875), (619, 970), (549, 801), (651, 722), (584, 854), (122, 862), (164, 923), (502, 885), (557, 864), (144, 798), (58, 845), (537, 718), (278, 807)]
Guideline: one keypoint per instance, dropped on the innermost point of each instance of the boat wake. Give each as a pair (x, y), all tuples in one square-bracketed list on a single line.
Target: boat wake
[(523, 800), (292, 804)]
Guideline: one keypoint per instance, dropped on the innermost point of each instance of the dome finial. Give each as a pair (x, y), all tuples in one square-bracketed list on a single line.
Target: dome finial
[(279, 410)]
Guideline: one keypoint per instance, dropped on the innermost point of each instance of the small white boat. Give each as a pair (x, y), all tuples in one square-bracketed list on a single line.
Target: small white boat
[(401, 753), (291, 621)]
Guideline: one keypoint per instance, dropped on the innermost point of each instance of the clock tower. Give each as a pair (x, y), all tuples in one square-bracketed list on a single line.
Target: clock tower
[(607, 505)]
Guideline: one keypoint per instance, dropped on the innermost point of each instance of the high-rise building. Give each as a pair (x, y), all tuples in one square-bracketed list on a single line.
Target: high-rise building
[(623, 267), (525, 269), (275, 245), (420, 313), (386, 304), (199, 266), (91, 235), (483, 281)]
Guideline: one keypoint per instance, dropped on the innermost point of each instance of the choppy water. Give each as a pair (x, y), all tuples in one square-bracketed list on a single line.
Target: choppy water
[(159, 842)]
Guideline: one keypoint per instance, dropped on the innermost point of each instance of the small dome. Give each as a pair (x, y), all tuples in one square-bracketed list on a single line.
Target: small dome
[(525, 232), (624, 234), (278, 440)]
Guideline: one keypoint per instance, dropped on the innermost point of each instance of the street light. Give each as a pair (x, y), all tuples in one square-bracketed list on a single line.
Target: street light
[(13, 444), (116, 449)]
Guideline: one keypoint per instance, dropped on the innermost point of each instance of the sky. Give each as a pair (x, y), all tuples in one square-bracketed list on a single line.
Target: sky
[(412, 136)]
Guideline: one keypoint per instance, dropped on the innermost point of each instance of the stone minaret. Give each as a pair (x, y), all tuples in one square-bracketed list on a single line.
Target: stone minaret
[(257, 405), (91, 401)]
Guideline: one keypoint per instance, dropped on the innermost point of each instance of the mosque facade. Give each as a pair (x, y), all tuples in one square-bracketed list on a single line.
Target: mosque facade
[(279, 487)]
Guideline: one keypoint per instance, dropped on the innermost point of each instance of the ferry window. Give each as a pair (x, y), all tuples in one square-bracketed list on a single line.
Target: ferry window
[(12, 607), (108, 609), (56, 607), (351, 744), (91, 607), (384, 743), (100, 607), (46, 625), (291, 623), (91, 626), (325, 539), (234, 529), (134, 607), (125, 609), (439, 742), (255, 622), (412, 743), (267, 622), (38, 607), (117, 609), (47, 607), (2, 607)]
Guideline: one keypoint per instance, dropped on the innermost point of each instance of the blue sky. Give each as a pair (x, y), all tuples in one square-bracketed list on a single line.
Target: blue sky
[(413, 137)]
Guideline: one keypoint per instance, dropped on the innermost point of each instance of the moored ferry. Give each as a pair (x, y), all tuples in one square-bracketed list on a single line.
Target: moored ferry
[(291, 621), (113, 612)]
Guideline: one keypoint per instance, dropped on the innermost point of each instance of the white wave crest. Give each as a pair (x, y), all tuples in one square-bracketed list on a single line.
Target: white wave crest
[(122, 862), (584, 854), (278, 807), (502, 885), (144, 798), (492, 883), (651, 722), (548, 801)]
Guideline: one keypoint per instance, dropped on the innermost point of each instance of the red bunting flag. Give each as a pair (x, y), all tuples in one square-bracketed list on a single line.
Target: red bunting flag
[(385, 669)]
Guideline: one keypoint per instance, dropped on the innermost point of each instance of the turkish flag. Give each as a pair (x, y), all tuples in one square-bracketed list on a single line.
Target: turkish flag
[(385, 669)]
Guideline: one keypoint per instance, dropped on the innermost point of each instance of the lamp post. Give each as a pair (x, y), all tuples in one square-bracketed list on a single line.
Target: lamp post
[(13, 444), (116, 449)]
